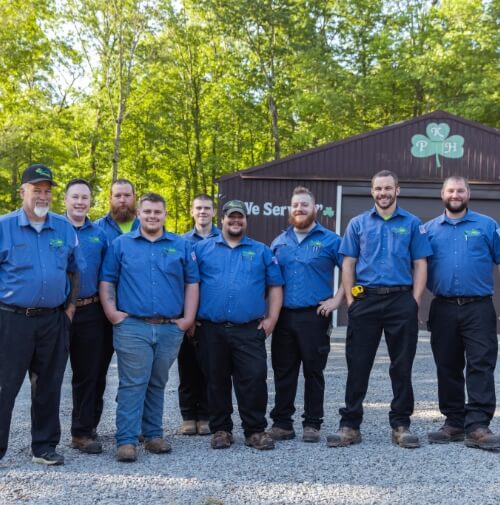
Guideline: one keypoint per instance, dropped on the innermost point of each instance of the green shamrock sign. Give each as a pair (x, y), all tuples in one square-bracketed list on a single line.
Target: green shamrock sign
[(328, 212), (437, 143)]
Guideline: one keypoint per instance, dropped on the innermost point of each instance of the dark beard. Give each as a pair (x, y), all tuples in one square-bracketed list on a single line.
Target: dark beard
[(455, 210), (123, 215), (302, 225)]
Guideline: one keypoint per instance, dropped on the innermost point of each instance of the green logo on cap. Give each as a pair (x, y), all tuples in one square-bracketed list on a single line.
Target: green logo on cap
[(42, 171)]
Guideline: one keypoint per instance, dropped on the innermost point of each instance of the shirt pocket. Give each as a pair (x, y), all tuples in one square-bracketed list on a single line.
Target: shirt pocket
[(21, 257), (476, 245), (400, 243), (62, 254)]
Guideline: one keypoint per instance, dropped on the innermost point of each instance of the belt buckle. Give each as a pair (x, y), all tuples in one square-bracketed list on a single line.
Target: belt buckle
[(31, 312), (460, 301)]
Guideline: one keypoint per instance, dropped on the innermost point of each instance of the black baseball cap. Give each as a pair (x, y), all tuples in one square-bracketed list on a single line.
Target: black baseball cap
[(38, 173), (234, 206)]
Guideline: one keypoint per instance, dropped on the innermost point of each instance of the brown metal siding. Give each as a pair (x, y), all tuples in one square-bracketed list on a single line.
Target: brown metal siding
[(271, 194), (389, 148)]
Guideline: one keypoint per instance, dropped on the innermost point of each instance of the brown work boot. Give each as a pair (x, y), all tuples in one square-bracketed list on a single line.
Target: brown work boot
[(277, 434), (261, 441), (202, 427), (345, 436), (403, 437), (445, 435), (221, 440), (157, 445), (482, 438), (188, 427), (126, 453), (86, 445), (310, 435)]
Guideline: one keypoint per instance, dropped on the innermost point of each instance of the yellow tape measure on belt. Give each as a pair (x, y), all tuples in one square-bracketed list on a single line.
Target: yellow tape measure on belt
[(357, 291)]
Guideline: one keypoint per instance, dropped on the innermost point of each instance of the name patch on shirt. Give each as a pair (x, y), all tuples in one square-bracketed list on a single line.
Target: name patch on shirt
[(56, 242), (400, 230), (472, 233)]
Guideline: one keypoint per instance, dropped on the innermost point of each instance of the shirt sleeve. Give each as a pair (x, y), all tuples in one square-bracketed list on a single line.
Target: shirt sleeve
[(110, 269), (273, 271), (350, 243), (496, 244), (191, 272), (420, 246)]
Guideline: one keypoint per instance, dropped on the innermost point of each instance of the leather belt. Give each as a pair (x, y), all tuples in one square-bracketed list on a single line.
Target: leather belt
[(462, 300), (157, 320), (29, 311), (229, 324), (81, 302), (386, 290), (311, 308)]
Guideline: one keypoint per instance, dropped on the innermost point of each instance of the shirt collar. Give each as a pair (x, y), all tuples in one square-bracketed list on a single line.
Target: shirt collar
[(397, 212), (136, 234), (244, 241), (23, 220), (469, 216)]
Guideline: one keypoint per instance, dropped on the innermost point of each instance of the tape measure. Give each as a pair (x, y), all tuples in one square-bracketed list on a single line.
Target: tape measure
[(357, 291)]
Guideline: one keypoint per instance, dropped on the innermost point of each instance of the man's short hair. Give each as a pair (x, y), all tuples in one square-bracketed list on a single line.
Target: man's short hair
[(122, 181), (152, 197), (302, 190), (457, 178), (203, 196), (386, 173), (73, 182)]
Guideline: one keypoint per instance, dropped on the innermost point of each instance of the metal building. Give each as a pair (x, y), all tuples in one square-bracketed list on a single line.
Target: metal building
[(422, 151)]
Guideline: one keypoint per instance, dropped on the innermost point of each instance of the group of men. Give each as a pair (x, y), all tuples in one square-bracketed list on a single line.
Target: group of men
[(211, 298)]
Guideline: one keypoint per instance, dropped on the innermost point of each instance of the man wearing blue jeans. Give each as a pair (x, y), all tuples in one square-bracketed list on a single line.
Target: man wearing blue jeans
[(149, 292)]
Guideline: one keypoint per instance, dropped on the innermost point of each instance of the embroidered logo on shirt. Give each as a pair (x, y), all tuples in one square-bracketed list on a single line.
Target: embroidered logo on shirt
[(400, 230), (248, 254), (169, 250), (56, 242), (94, 239), (472, 233)]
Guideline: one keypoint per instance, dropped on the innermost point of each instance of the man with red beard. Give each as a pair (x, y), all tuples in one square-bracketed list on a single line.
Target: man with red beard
[(384, 273), (307, 254), (121, 218)]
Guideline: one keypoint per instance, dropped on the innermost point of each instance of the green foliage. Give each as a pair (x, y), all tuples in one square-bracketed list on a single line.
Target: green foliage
[(173, 94)]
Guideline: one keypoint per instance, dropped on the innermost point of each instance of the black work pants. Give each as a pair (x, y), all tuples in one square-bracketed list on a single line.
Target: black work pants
[(235, 352), (300, 336), (394, 314), (38, 345), (107, 351), (465, 336), (85, 352), (193, 396)]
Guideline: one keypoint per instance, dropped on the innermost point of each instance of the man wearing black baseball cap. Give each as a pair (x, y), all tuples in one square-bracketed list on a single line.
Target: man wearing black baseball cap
[(39, 283)]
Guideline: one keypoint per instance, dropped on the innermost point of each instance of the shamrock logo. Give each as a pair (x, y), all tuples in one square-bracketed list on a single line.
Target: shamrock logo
[(438, 143), (328, 212)]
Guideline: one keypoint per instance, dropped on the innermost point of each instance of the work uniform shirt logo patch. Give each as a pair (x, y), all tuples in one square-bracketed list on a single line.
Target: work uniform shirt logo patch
[(472, 233), (94, 239), (400, 230), (56, 242), (169, 250)]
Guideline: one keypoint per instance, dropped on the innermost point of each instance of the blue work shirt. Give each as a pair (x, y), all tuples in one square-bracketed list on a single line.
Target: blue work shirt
[(463, 255), (307, 267), (233, 281), (93, 246), (385, 249), (150, 276), (111, 228), (194, 236), (34, 266)]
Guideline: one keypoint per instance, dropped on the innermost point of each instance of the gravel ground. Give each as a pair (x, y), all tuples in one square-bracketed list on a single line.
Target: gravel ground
[(374, 472)]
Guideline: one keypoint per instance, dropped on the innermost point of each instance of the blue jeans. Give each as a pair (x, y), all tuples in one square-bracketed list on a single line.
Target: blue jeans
[(145, 353)]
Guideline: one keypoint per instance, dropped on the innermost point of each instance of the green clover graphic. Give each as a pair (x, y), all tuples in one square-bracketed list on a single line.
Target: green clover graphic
[(328, 212), (438, 143)]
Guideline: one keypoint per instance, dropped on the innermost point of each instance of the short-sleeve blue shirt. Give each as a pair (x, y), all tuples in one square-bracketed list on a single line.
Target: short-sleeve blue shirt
[(307, 267), (34, 266), (111, 228), (464, 252), (194, 236), (233, 281), (385, 249), (150, 276), (93, 245)]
